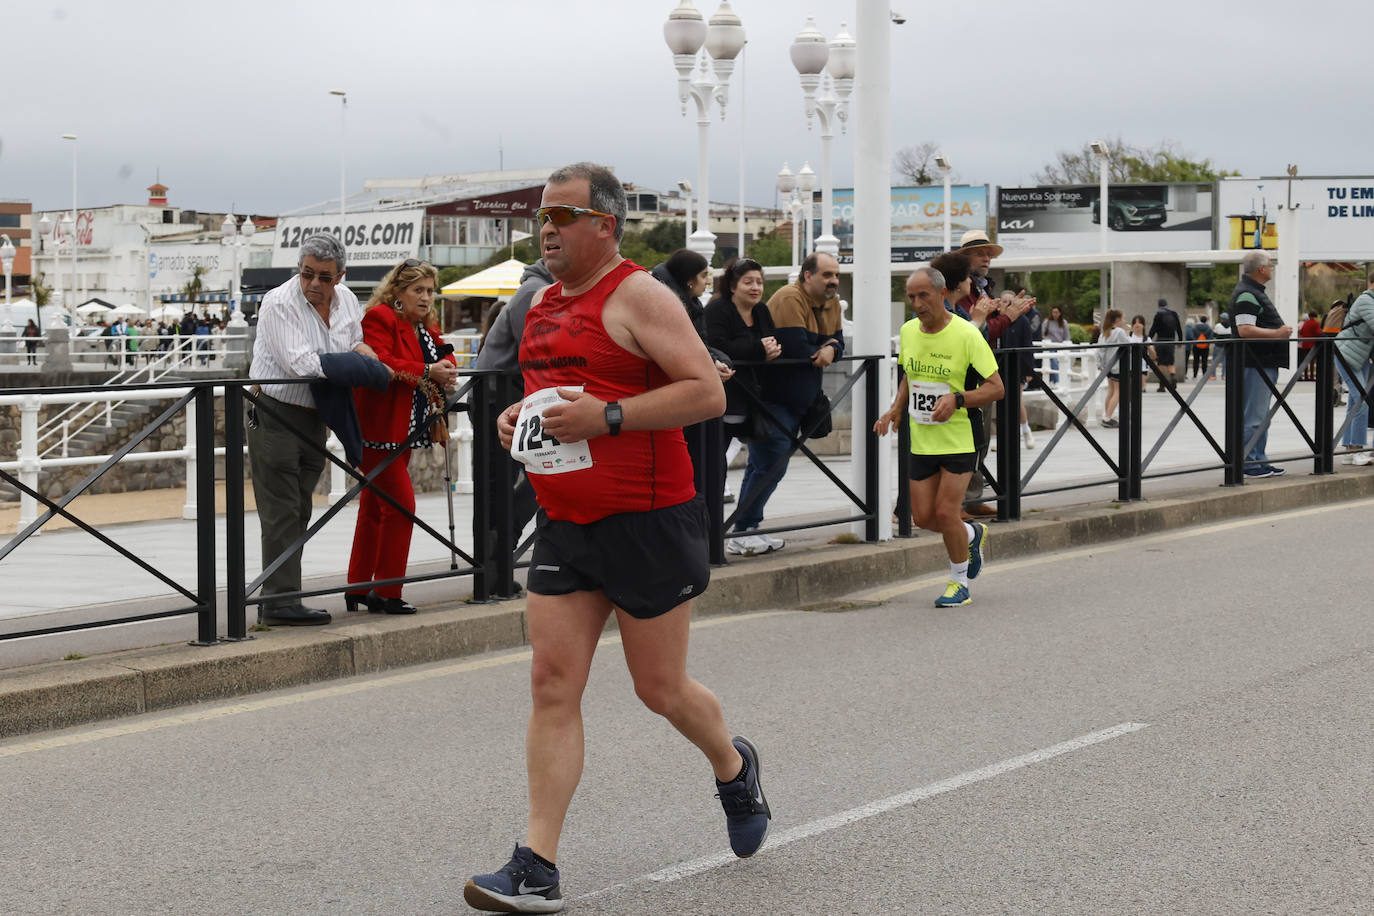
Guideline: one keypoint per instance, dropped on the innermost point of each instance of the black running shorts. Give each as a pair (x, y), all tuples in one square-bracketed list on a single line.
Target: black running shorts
[(647, 563), (924, 466)]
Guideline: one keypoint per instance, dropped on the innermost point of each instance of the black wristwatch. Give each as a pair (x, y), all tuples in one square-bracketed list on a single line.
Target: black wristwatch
[(958, 399), (614, 417)]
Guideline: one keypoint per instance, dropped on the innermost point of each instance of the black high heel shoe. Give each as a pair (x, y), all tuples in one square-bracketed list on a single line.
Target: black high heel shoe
[(394, 606), (369, 602)]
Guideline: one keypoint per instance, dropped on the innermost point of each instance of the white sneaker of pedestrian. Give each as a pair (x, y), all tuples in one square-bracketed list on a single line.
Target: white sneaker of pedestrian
[(749, 545), (1027, 437), (772, 542), (1362, 459), (1348, 458)]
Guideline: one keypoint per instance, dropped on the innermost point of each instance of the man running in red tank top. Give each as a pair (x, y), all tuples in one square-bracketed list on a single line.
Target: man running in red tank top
[(613, 370)]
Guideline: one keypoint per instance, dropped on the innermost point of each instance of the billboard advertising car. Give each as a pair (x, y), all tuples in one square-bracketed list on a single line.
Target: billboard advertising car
[(918, 219), (1066, 219), (1335, 215)]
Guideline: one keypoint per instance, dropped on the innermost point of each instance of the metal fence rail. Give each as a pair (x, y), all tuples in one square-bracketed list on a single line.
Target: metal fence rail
[(492, 563)]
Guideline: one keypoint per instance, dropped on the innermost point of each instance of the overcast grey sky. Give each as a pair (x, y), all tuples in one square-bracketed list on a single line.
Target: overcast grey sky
[(230, 101)]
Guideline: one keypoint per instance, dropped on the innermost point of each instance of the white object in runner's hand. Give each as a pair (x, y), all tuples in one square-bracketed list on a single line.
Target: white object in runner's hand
[(540, 452)]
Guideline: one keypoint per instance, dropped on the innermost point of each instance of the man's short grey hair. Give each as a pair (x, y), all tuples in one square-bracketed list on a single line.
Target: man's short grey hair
[(937, 279), (322, 247), (607, 193), (1253, 261)]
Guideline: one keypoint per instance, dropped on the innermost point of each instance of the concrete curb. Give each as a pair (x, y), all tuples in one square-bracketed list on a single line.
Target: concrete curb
[(61, 694)]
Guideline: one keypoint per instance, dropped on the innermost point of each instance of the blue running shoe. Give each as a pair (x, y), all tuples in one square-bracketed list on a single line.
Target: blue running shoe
[(954, 596), (1275, 470), (746, 810), (976, 548), (1259, 470), (521, 886)]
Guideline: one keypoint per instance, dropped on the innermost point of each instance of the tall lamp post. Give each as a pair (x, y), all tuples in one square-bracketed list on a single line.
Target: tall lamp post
[(69, 231), (1102, 153), (787, 184), (806, 191), (7, 252), (942, 163), (811, 55), (234, 238), (686, 187), (343, 153), (686, 34)]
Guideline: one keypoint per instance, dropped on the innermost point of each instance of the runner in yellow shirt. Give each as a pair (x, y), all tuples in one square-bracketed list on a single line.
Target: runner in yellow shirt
[(936, 350)]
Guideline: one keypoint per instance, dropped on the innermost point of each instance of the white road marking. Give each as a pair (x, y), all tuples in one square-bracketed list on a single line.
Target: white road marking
[(873, 809), (155, 722)]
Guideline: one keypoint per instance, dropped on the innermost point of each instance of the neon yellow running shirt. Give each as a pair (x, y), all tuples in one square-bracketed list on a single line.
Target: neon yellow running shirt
[(937, 364)]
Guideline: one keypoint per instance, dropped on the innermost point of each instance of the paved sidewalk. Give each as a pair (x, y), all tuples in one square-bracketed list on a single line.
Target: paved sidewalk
[(65, 575)]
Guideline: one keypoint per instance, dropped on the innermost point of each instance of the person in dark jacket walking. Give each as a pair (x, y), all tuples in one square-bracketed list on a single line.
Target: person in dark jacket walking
[(1164, 330)]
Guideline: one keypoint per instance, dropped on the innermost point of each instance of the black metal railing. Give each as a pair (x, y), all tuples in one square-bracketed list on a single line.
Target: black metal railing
[(492, 562)]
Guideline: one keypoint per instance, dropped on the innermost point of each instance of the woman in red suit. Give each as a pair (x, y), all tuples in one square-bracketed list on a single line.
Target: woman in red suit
[(400, 325)]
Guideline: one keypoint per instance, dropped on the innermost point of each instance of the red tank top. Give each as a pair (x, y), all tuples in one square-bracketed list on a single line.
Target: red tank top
[(565, 343)]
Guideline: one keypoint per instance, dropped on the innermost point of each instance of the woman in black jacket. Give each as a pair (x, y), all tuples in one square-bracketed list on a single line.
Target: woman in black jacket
[(739, 324), (686, 273)]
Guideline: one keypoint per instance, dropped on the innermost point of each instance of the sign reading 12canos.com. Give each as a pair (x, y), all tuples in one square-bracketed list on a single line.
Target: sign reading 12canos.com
[(379, 238)]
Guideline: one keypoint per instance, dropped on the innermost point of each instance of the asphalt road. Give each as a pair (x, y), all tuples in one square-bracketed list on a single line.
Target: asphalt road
[(1179, 724)]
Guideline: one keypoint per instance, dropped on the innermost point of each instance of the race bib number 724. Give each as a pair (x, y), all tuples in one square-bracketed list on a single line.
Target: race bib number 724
[(540, 452)]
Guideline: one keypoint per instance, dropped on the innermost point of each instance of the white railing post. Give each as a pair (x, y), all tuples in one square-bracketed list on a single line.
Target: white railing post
[(67, 435), (28, 458), (337, 477), (462, 434), (190, 508)]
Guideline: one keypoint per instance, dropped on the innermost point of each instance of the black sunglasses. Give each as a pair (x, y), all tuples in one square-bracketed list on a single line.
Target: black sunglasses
[(408, 262)]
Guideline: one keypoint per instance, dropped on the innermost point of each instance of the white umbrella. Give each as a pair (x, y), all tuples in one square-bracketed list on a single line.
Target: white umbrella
[(167, 311), (91, 308), (128, 310)]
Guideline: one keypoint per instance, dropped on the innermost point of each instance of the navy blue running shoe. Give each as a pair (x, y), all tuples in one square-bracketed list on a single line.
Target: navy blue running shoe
[(746, 810), (521, 886), (976, 548)]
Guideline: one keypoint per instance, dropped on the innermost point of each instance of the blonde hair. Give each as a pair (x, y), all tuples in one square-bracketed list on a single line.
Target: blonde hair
[(400, 277)]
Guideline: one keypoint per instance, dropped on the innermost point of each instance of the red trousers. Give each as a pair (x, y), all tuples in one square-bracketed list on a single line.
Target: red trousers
[(381, 539)]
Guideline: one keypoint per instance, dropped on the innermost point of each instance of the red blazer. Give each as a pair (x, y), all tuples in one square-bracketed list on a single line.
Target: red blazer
[(385, 415)]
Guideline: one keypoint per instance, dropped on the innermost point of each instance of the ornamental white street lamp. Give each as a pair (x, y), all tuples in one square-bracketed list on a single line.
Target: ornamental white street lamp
[(787, 186), (942, 163), (806, 191), (234, 238), (7, 253), (343, 153), (686, 34), (811, 55), (686, 187)]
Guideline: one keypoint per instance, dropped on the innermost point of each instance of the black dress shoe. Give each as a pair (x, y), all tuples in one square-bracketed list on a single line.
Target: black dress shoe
[(296, 615), (393, 606), (368, 602)]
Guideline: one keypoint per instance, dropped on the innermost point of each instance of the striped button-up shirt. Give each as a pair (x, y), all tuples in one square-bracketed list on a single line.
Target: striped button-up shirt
[(291, 336)]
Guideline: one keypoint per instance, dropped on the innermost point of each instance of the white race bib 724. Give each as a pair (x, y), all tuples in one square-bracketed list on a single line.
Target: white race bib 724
[(540, 452)]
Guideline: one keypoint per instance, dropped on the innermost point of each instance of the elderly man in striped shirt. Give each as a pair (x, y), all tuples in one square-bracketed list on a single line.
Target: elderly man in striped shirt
[(310, 314)]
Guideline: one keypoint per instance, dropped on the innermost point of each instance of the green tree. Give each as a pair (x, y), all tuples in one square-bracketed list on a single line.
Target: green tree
[(770, 250), (666, 236), (1163, 162), (41, 294), (194, 286)]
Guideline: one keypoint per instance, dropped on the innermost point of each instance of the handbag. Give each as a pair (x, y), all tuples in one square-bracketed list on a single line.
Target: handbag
[(438, 420), (816, 421)]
